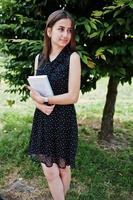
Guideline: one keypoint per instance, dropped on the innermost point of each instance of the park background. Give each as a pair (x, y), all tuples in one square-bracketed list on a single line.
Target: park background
[(104, 35)]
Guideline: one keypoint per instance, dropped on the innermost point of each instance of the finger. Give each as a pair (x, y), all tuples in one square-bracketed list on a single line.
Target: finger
[(47, 113), (50, 106), (28, 86), (32, 89), (50, 109)]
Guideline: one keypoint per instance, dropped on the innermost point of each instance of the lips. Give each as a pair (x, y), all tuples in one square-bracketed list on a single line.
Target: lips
[(65, 41)]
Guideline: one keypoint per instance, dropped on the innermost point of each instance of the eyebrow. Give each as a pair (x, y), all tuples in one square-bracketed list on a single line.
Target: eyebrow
[(64, 27)]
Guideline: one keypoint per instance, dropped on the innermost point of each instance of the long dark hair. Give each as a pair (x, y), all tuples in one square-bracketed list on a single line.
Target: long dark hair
[(52, 19)]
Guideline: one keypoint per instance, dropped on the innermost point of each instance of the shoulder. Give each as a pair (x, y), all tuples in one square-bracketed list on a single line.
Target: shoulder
[(75, 62), (37, 61), (74, 57), (37, 56)]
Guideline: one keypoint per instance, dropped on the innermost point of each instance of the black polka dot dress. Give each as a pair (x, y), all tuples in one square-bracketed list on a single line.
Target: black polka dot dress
[(54, 137)]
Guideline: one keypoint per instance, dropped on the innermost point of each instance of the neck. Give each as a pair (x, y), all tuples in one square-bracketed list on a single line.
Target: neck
[(54, 53), (55, 50)]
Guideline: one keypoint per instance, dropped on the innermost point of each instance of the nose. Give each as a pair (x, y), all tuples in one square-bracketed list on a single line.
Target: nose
[(65, 34)]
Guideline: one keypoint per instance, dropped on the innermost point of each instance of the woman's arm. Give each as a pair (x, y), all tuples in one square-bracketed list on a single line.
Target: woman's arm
[(36, 64), (73, 85), (44, 108)]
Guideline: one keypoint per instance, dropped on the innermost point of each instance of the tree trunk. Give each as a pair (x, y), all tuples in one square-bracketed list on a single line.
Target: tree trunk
[(106, 132)]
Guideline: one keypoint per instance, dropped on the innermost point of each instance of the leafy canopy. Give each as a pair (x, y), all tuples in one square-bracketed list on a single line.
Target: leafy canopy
[(104, 36)]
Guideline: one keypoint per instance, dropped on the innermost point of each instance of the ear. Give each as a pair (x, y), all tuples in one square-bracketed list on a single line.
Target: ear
[(49, 30)]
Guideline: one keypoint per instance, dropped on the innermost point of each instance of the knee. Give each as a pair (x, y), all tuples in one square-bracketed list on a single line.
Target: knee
[(51, 174), (65, 172)]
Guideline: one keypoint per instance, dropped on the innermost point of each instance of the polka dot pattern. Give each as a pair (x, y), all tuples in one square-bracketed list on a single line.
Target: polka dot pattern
[(54, 137)]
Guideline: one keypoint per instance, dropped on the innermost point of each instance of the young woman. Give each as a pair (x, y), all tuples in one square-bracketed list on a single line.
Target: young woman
[(54, 132)]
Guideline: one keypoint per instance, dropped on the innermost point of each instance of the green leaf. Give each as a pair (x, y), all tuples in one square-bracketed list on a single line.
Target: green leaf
[(94, 34), (88, 61), (99, 51), (93, 25), (103, 57), (101, 35), (91, 64), (110, 51), (88, 28), (10, 102), (98, 21), (121, 21), (106, 24), (117, 13), (77, 38), (85, 59), (110, 7), (131, 4), (115, 50), (122, 71), (109, 28), (107, 11), (97, 13)]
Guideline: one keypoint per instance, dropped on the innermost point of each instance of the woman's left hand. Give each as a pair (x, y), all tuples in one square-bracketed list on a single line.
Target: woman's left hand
[(35, 95)]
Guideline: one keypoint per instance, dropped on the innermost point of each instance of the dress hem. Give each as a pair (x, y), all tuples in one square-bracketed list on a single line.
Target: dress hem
[(35, 157)]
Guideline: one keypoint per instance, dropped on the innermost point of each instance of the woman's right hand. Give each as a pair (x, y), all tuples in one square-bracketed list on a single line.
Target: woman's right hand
[(45, 108)]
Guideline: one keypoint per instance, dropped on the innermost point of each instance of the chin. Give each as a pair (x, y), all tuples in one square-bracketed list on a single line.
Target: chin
[(63, 44)]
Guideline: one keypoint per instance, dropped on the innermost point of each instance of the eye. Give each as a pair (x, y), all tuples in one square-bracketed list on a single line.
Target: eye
[(70, 30), (61, 29)]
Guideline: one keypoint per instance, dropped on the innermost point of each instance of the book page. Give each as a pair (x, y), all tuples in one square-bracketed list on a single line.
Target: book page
[(41, 84)]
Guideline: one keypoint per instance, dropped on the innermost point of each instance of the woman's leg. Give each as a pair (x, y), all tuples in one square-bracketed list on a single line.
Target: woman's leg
[(54, 181), (65, 175)]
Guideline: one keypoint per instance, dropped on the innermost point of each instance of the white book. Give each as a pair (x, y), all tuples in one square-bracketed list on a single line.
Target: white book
[(41, 84)]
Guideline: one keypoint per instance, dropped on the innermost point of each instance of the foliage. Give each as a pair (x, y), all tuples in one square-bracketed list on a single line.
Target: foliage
[(103, 34), (22, 40), (109, 34)]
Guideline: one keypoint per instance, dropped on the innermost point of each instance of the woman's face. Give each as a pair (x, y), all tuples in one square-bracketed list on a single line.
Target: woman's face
[(60, 33)]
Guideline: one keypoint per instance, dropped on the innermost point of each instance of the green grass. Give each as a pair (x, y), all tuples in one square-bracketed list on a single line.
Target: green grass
[(101, 173)]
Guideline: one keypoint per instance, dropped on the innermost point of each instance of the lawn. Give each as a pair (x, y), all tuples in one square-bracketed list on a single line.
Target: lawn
[(103, 171)]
